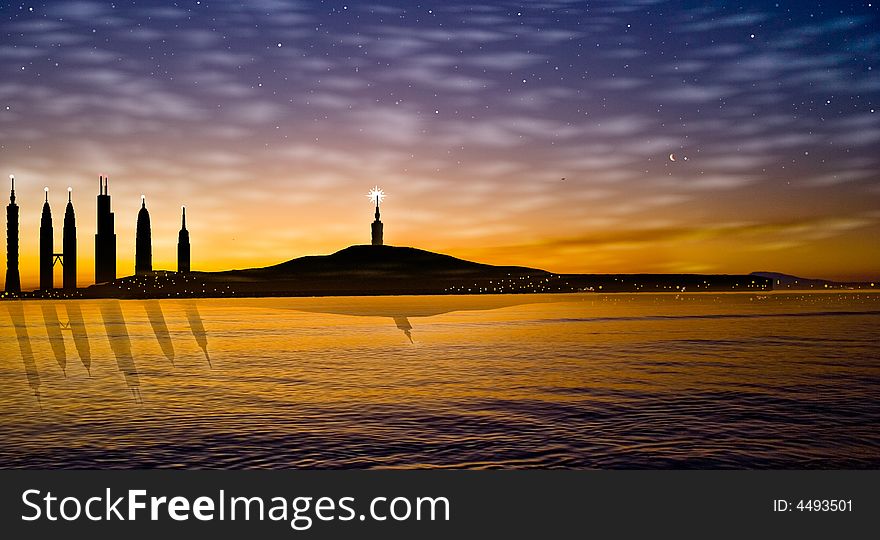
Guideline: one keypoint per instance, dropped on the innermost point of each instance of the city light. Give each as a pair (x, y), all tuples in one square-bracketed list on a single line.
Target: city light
[(376, 195)]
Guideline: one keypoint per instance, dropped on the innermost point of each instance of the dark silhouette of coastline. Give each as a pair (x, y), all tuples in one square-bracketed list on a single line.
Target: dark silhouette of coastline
[(367, 270), (787, 282), (360, 270)]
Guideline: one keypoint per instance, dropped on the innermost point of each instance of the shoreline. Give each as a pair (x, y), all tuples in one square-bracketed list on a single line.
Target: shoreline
[(29, 296)]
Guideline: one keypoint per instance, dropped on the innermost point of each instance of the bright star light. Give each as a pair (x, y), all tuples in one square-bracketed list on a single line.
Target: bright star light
[(376, 195)]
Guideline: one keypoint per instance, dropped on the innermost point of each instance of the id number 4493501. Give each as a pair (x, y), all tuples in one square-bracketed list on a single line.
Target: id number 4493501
[(813, 505)]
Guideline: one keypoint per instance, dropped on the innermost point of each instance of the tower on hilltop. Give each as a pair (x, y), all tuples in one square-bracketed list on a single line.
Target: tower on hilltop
[(376, 195)]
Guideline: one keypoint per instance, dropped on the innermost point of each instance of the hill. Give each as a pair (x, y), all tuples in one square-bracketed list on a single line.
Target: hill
[(371, 270), (789, 282), (389, 270), (380, 260)]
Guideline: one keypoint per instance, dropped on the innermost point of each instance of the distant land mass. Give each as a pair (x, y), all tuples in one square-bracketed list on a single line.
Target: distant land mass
[(366, 270), (789, 282)]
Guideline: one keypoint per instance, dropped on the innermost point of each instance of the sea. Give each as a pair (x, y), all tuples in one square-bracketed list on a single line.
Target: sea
[(575, 381)]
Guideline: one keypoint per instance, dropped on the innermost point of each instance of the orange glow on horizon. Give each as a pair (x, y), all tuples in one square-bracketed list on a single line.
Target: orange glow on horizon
[(252, 225)]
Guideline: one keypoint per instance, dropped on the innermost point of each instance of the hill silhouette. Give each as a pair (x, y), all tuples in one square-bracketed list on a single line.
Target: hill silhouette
[(788, 281), (366, 259), (366, 270)]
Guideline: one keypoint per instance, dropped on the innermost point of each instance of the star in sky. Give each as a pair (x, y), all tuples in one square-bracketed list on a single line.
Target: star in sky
[(275, 114)]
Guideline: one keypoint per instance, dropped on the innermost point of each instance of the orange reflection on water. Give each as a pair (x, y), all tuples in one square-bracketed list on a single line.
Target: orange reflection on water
[(714, 380)]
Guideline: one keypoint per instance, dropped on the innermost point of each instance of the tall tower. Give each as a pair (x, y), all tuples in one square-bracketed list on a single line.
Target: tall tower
[(69, 245), (46, 247), (13, 280), (183, 244), (105, 239), (377, 229), (143, 256), (376, 195)]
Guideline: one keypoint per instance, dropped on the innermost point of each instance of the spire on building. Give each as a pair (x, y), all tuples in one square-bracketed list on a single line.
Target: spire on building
[(13, 279), (183, 255), (105, 239), (143, 257), (376, 194), (69, 244), (47, 280)]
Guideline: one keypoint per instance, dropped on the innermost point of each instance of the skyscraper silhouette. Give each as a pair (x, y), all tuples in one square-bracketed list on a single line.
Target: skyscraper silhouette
[(377, 228), (105, 239), (69, 245), (46, 247), (183, 244), (143, 256), (13, 280)]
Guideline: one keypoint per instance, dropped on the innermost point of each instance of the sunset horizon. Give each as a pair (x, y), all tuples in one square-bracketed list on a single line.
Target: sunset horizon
[(547, 254), (328, 253), (591, 143)]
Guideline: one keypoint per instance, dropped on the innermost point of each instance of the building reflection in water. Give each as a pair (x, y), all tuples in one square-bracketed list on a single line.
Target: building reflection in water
[(117, 336), (197, 328), (53, 332), (77, 327), (160, 328), (16, 313), (401, 311), (120, 344), (402, 322)]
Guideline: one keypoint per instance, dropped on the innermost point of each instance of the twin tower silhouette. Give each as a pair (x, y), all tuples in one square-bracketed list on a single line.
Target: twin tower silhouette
[(105, 243)]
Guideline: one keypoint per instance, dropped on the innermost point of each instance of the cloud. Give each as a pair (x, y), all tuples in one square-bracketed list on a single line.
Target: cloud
[(255, 112), (694, 93), (633, 238), (80, 10), (842, 176), (11, 52), (505, 61), (394, 125), (622, 83), (428, 76), (729, 21), (349, 99)]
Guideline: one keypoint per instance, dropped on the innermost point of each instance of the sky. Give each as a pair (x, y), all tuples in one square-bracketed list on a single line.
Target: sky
[(574, 136)]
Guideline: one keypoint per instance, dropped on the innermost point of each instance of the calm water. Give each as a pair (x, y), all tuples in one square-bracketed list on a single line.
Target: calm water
[(598, 381)]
